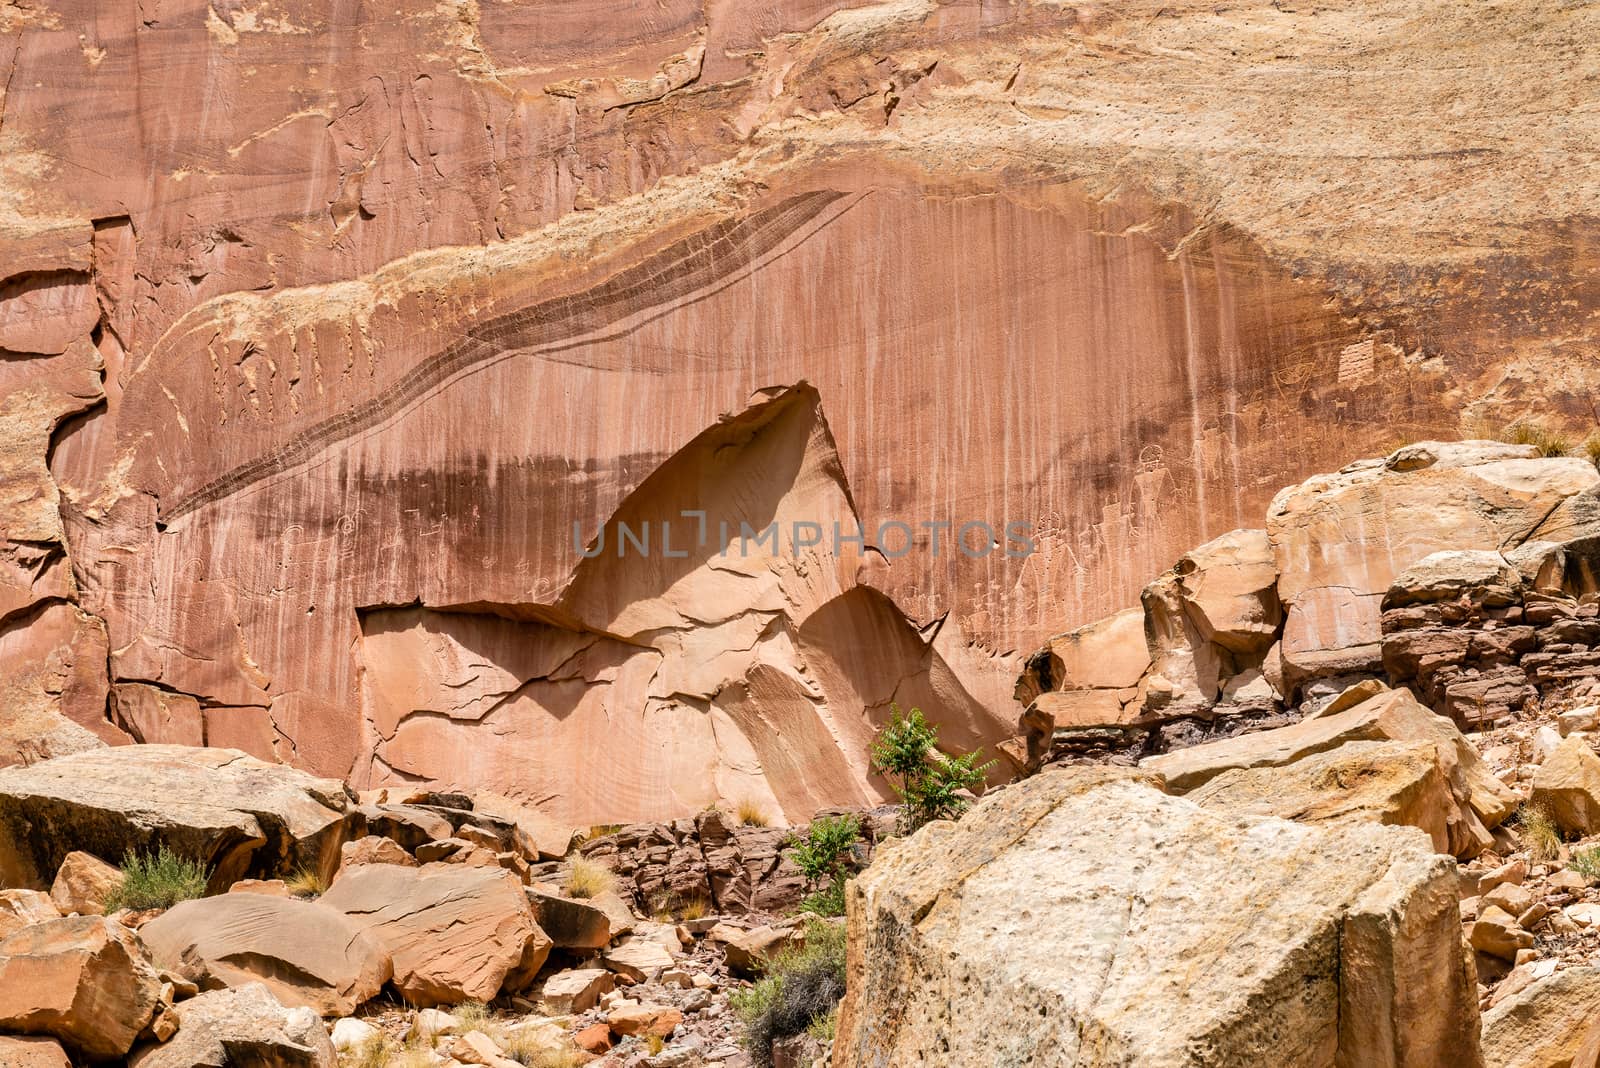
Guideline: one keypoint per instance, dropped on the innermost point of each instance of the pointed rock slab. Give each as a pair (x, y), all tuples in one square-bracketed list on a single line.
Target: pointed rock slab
[(83, 979), (244, 1026), (304, 952), (1544, 1023), (1568, 785), (576, 990), (638, 958), (1109, 924), (571, 924), (21, 908), (32, 1053), (241, 816), (1228, 587), (1481, 800), (84, 884), (456, 933), (1394, 783)]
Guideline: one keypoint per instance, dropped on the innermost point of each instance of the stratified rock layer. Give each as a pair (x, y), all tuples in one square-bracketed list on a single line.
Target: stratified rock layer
[(1108, 924)]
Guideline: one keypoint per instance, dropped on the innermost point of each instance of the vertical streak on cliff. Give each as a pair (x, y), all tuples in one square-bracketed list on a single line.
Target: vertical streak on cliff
[(1191, 344)]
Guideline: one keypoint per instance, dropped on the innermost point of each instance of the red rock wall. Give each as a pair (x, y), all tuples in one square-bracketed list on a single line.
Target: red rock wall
[(381, 304)]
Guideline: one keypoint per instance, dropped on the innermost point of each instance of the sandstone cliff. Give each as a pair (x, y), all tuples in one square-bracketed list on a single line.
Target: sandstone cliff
[(322, 327)]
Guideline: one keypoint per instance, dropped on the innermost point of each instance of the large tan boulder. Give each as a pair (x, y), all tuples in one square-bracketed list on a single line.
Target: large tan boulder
[(1543, 1024), (571, 924), (84, 884), (1229, 591), (239, 1027), (239, 815), (1567, 784), (82, 979), (18, 1052), (456, 933), (1393, 783), (1109, 654), (374, 849), (1482, 801), (20, 908), (1341, 539), (1084, 918), (305, 952)]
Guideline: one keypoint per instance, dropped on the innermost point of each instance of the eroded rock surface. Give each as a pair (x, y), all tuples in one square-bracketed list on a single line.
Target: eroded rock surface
[(1158, 951)]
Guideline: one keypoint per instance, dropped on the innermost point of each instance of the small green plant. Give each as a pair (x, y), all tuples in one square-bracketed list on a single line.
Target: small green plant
[(825, 855), (823, 1027), (1539, 832), (1548, 442), (588, 878), (1591, 448), (1586, 862), (800, 987), (157, 880), (928, 781)]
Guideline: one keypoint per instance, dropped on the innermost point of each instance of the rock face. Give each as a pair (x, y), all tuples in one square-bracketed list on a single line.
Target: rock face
[(1159, 952), (455, 933), (83, 980), (273, 371), (1543, 1024), (304, 952), (238, 815)]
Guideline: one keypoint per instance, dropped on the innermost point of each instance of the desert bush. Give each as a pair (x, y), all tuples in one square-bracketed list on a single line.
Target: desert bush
[(1591, 448), (799, 988), (588, 878), (1539, 832), (1586, 862), (928, 782), (1548, 442), (751, 814), (157, 880), (825, 855)]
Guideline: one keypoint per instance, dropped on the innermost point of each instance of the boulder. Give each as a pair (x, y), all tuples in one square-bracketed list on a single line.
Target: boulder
[(304, 952), (20, 908), (1480, 575), (1395, 783), (639, 959), (1107, 923), (1229, 591), (239, 815), (18, 1052), (1482, 801), (576, 990), (1497, 933), (82, 979), (657, 1020), (244, 1027), (1543, 1024), (571, 924), (350, 1034), (1109, 654), (271, 887), (1567, 784), (456, 933), (747, 951), (373, 850), (84, 884)]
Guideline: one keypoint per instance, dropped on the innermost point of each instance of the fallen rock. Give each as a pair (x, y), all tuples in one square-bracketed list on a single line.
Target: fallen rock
[(32, 1053), (596, 1038), (1229, 591), (658, 1020), (244, 1027), (239, 815), (571, 924), (639, 959), (270, 887), (475, 1047), (1394, 783), (1497, 933), (84, 884), (304, 952), (1567, 784), (456, 933), (20, 908), (351, 1034), (1482, 801), (1070, 904), (430, 1022), (576, 990), (747, 951), (82, 979), (1482, 576), (373, 850), (1543, 1024)]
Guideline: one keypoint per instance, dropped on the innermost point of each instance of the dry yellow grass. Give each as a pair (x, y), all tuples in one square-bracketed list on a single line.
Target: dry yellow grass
[(1548, 442), (751, 814), (588, 878), (1539, 833), (306, 883)]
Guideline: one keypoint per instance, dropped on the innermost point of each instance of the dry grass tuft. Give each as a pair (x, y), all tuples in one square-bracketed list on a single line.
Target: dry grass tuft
[(588, 878), (751, 814), (1591, 448), (306, 883), (1540, 833), (1548, 442)]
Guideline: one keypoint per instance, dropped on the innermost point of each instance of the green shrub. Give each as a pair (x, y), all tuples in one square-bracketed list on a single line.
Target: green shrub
[(800, 990), (1586, 862), (825, 855), (157, 880), (928, 781)]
